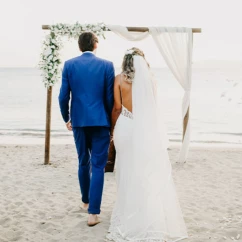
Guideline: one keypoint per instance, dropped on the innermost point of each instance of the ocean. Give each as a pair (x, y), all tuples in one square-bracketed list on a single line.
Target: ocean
[(215, 110)]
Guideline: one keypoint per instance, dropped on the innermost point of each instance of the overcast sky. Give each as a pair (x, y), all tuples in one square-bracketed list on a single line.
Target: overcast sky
[(21, 34)]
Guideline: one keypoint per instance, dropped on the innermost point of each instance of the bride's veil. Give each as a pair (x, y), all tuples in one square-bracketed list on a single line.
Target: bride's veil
[(155, 194)]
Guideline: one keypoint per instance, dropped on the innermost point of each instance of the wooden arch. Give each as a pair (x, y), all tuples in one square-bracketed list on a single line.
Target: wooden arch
[(49, 98)]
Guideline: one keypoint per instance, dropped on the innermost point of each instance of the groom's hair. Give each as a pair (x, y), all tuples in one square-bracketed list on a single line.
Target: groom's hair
[(87, 41)]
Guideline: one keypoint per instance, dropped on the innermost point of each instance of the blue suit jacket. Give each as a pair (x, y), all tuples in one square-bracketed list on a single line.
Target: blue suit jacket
[(88, 82)]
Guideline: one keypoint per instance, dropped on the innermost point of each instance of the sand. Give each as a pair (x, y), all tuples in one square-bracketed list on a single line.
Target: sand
[(42, 203)]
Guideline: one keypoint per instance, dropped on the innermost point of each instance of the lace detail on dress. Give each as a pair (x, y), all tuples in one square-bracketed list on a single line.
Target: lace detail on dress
[(125, 112)]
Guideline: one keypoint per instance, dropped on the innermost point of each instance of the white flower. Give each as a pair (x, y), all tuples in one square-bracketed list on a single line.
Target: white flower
[(47, 38), (129, 52), (50, 62), (47, 52)]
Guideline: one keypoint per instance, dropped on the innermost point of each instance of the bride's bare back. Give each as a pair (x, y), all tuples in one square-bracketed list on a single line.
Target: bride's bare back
[(122, 93), (126, 93)]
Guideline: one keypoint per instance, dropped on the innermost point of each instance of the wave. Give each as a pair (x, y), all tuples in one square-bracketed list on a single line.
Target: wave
[(224, 133), (63, 135), (205, 142), (32, 133)]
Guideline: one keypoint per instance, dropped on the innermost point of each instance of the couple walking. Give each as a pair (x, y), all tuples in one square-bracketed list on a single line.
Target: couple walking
[(123, 108)]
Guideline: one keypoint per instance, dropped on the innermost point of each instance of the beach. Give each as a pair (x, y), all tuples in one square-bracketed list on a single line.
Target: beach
[(197, 69), (42, 202)]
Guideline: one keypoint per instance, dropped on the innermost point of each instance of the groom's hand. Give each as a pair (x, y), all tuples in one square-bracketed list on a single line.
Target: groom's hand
[(68, 125)]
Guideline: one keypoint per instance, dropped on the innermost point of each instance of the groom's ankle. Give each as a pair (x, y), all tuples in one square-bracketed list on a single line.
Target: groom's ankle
[(93, 211)]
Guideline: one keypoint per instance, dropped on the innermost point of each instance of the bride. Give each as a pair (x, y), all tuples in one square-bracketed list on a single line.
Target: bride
[(147, 208)]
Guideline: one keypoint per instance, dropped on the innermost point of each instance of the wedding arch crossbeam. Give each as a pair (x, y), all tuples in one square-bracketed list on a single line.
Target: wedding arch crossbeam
[(174, 44)]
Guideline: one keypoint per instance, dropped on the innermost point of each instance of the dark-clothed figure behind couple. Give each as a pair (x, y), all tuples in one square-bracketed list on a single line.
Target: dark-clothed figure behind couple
[(123, 108)]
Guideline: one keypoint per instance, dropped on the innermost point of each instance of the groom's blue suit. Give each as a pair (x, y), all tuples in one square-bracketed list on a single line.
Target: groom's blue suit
[(88, 82)]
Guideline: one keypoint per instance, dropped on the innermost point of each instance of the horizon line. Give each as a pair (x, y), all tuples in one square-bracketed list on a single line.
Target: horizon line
[(210, 61)]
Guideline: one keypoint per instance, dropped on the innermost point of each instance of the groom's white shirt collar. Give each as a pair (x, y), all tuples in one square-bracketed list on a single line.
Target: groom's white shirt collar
[(88, 52)]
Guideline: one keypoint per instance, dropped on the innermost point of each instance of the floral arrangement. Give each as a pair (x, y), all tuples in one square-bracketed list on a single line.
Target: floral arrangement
[(50, 56), (129, 52)]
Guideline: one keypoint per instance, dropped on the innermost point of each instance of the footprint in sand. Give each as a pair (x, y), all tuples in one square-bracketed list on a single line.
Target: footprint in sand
[(18, 203), (13, 235), (5, 221)]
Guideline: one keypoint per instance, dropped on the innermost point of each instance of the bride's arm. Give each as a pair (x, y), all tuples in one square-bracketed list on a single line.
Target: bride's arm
[(117, 107)]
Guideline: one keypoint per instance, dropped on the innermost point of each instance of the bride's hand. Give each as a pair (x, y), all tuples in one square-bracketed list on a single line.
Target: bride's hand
[(111, 137)]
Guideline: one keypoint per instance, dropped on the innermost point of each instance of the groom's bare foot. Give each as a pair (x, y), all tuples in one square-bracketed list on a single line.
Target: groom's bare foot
[(84, 206), (93, 220)]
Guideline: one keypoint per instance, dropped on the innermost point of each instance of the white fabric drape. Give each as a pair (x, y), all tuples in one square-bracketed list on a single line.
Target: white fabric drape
[(175, 45), (124, 33)]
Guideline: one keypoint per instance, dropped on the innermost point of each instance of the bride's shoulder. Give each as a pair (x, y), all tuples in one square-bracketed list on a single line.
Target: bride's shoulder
[(120, 75), (117, 77)]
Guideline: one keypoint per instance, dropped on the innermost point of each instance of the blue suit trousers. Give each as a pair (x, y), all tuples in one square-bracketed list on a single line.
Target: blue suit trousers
[(92, 145)]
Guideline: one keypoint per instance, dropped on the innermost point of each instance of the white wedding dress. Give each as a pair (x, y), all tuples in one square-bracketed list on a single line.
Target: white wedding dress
[(147, 208)]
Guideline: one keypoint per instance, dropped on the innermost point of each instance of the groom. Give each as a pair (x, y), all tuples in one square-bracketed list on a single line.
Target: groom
[(89, 80)]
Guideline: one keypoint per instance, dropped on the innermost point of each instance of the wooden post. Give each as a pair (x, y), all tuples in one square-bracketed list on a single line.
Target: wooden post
[(49, 96), (185, 121), (47, 127)]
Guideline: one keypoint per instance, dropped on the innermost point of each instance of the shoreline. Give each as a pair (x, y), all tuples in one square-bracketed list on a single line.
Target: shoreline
[(70, 141)]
